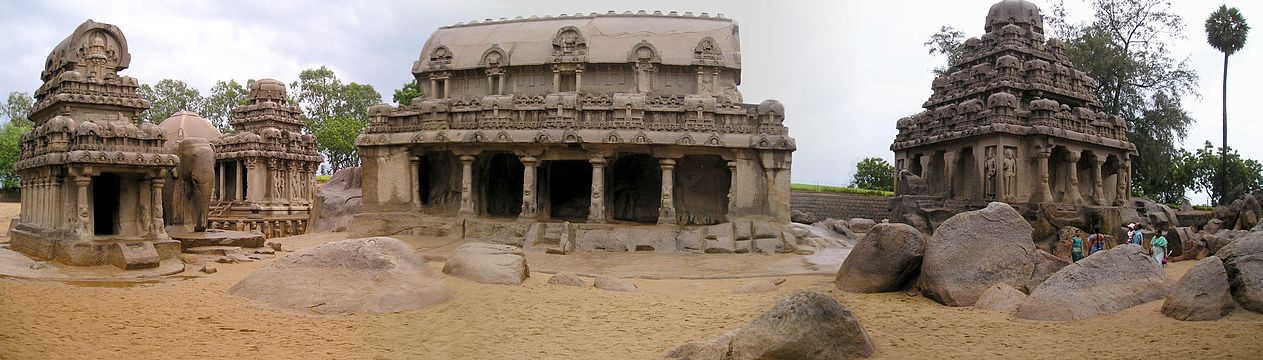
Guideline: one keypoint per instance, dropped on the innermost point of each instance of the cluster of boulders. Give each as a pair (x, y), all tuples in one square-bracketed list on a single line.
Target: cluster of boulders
[(337, 201), (829, 233), (1223, 225), (987, 259)]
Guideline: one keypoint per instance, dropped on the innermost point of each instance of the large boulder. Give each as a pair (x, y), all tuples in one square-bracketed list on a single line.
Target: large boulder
[(1045, 266), (861, 224), (1101, 284), (1202, 294), (1243, 260), (805, 325), (886, 258), (337, 201), (488, 264), (1000, 297), (371, 275), (974, 250)]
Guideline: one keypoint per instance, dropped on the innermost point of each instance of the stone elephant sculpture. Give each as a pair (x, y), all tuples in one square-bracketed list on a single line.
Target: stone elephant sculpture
[(187, 196)]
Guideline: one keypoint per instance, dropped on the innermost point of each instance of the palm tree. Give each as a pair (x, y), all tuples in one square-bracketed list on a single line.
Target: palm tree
[(1226, 31)]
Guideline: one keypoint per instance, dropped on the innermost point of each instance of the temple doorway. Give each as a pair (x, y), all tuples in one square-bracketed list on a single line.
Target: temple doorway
[(438, 182), (502, 185), (635, 184), (569, 189), (701, 189), (106, 190)]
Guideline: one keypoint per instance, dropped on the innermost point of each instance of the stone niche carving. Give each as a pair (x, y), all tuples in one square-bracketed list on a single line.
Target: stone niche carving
[(589, 141), (1012, 121)]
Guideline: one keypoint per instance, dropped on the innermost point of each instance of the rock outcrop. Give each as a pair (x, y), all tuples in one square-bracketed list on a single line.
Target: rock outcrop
[(337, 201), (1202, 294), (373, 275), (884, 260), (1045, 266), (488, 264), (805, 325), (1101, 284), (1000, 297), (613, 283), (974, 250), (1243, 260), (567, 279)]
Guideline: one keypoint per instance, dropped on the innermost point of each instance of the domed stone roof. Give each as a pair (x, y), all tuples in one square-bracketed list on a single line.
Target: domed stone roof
[(267, 89), (187, 124), (1020, 12)]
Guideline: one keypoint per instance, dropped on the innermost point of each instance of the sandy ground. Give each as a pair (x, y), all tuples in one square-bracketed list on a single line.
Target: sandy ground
[(194, 317)]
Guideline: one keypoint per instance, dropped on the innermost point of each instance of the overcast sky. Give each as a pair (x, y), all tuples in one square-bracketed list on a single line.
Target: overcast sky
[(845, 70)]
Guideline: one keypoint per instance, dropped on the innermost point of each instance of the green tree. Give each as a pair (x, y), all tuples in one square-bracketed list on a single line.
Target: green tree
[(1226, 31), (1204, 170), (10, 142), (947, 42), (168, 97), (336, 140), (329, 106), (874, 173), (224, 96), (17, 107), (404, 95)]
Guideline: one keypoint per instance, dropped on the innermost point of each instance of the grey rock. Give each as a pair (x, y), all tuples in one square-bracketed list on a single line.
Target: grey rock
[(974, 250), (884, 260), (1243, 261), (613, 283), (1045, 266), (1101, 284), (861, 225), (1000, 297), (208, 268), (1202, 294), (488, 263), (567, 279), (39, 265), (805, 325)]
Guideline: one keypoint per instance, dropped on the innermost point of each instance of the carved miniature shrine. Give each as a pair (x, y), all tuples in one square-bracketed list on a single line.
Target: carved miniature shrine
[(614, 132), (92, 176), (1012, 121), (266, 170)]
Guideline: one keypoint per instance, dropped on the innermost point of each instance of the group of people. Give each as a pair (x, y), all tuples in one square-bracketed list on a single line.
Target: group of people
[(1096, 242)]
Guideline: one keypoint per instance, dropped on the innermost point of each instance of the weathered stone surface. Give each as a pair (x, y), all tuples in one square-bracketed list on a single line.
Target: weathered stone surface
[(1000, 297), (886, 258), (805, 325), (803, 217), (488, 263), (186, 198), (348, 276), (974, 250), (1045, 266), (337, 201), (567, 279), (1202, 294), (1101, 284), (861, 225), (758, 286), (613, 283), (208, 268), (1243, 260)]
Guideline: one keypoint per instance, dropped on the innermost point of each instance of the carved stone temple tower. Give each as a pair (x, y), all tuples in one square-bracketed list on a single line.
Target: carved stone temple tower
[(1012, 121), (92, 177), (266, 170)]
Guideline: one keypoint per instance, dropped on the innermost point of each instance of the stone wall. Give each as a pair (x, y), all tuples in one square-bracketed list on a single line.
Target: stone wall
[(840, 205)]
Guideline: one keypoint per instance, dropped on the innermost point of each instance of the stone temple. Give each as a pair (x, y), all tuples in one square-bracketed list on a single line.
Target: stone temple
[(92, 176), (265, 172), (610, 132), (1012, 121)]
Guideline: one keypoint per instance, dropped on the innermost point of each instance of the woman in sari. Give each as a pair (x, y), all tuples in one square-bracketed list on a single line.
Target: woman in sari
[(1159, 248)]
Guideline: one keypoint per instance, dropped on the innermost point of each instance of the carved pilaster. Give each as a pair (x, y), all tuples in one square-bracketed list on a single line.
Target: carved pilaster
[(1098, 181), (1045, 191), (467, 185), (82, 232), (596, 210), (414, 178), (158, 231), (666, 210), (529, 205), (1071, 166), (949, 165), (732, 190)]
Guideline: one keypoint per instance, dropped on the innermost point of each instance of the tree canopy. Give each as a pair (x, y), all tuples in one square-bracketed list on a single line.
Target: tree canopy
[(16, 107), (335, 112), (168, 97), (224, 96), (1201, 169), (874, 173), (405, 94)]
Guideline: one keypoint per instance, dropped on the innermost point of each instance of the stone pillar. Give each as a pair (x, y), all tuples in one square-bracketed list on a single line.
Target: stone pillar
[(1098, 181), (158, 231), (700, 81), (732, 190), (949, 167), (82, 231), (714, 82), (925, 168), (41, 187), (666, 211), (57, 212), (556, 81), (1045, 191), (578, 80), (434, 88), (144, 198), (529, 205), (596, 209), (1072, 161), (447, 88), (219, 187), (467, 185), (414, 172), (238, 181)]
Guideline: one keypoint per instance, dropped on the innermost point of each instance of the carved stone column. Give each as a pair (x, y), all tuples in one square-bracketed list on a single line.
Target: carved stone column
[(1045, 191), (925, 169), (732, 190), (158, 231), (596, 210), (219, 187), (82, 232), (666, 211), (1072, 161), (57, 212), (414, 172), (949, 166), (529, 206), (1098, 181), (556, 80), (239, 181), (467, 184), (578, 80)]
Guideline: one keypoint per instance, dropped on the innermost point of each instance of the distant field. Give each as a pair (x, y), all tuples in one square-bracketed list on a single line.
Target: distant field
[(838, 189)]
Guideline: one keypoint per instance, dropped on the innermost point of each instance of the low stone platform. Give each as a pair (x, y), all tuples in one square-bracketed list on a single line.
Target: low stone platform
[(14, 264), (216, 237)]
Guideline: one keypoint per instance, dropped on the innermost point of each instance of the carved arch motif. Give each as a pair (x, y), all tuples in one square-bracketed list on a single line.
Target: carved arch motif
[(494, 57), (644, 52), (440, 57), (569, 45), (708, 52)]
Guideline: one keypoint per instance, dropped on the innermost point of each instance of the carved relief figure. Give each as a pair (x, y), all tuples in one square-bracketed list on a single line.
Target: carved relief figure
[(989, 168), (1010, 174)]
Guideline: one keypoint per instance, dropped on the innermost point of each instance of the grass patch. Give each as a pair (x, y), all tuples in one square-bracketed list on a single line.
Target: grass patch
[(323, 178), (838, 189)]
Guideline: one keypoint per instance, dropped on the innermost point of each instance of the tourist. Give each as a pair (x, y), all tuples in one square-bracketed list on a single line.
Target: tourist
[(1134, 235), (1159, 248), (1096, 242), (1076, 248)]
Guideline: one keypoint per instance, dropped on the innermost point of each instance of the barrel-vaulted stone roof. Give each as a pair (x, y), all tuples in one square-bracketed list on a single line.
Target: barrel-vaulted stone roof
[(608, 38)]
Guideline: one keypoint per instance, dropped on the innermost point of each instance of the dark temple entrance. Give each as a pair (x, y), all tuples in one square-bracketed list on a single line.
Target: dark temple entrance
[(105, 197), (502, 185), (569, 186), (635, 183)]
